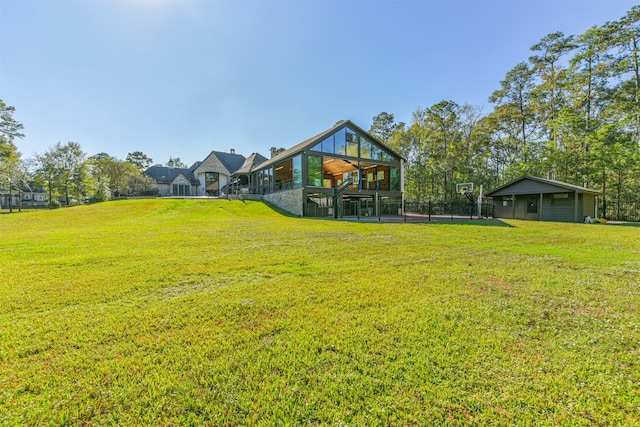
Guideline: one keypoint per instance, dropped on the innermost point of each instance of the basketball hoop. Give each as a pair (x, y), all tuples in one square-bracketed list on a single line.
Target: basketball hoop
[(465, 187)]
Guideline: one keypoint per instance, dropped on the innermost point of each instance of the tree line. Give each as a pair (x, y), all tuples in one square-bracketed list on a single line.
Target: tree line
[(571, 112), (65, 172)]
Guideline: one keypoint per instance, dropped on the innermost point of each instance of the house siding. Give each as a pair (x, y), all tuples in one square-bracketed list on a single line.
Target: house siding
[(562, 213), (500, 211), (589, 206)]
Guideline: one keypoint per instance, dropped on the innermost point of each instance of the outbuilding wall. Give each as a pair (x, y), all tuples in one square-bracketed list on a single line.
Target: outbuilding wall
[(546, 211), (559, 213)]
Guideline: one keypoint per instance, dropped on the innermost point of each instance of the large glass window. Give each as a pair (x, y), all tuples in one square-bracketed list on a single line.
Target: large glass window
[(368, 176), (283, 179), (181, 190), (347, 142), (314, 171), (366, 148), (341, 142), (354, 177), (267, 177), (382, 177), (336, 171), (327, 145), (382, 155), (352, 143), (212, 183), (395, 179), (297, 171)]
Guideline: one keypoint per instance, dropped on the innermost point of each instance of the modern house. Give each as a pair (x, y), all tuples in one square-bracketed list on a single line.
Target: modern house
[(539, 199), (342, 171)]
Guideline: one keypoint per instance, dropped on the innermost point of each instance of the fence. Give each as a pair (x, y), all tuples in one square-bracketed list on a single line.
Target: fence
[(322, 207), (629, 212), (451, 208)]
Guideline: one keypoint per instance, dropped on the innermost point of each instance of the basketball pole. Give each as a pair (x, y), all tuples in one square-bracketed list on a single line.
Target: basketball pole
[(480, 203)]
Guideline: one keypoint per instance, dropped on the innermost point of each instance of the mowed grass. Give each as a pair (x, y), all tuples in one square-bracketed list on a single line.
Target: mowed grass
[(185, 312)]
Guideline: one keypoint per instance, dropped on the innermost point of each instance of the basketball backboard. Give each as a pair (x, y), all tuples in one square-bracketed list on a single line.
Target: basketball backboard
[(465, 187)]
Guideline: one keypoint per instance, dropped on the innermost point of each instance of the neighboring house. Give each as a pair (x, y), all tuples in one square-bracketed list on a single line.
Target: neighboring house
[(172, 181), (342, 171), (539, 199), (26, 197)]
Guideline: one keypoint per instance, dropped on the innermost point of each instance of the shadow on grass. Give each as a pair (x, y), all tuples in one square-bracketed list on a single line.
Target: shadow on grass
[(425, 221), (279, 210), (458, 221)]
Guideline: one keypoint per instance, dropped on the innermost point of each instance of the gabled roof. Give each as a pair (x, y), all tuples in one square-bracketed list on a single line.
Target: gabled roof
[(166, 175), (250, 163), (318, 138), (231, 161), (544, 183)]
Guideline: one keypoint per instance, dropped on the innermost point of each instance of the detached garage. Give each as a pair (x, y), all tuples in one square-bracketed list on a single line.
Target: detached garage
[(538, 199)]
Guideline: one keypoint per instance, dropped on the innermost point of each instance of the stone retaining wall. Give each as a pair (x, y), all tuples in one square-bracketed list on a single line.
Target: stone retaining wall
[(288, 200)]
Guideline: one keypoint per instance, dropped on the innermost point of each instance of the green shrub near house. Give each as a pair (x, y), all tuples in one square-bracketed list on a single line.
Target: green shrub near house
[(190, 312)]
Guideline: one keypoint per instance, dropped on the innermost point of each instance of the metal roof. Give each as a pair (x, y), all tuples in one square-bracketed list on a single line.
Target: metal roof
[(559, 184)]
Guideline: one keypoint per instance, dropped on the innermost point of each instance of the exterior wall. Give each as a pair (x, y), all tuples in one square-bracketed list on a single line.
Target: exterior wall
[(589, 205), (163, 189), (559, 213), (518, 210), (500, 211), (289, 200), (211, 164), (547, 211)]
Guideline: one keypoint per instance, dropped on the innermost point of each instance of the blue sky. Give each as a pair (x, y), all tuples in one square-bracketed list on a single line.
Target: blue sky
[(182, 78)]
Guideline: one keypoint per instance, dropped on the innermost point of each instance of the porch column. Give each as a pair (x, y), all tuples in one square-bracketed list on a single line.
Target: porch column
[(540, 210), (513, 206), (575, 208)]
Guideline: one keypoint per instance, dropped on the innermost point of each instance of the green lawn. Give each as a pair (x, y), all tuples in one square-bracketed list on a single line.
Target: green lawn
[(176, 312)]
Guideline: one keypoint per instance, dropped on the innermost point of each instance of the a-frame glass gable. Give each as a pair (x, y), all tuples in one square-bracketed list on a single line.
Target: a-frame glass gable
[(350, 155), (342, 171), (350, 143)]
